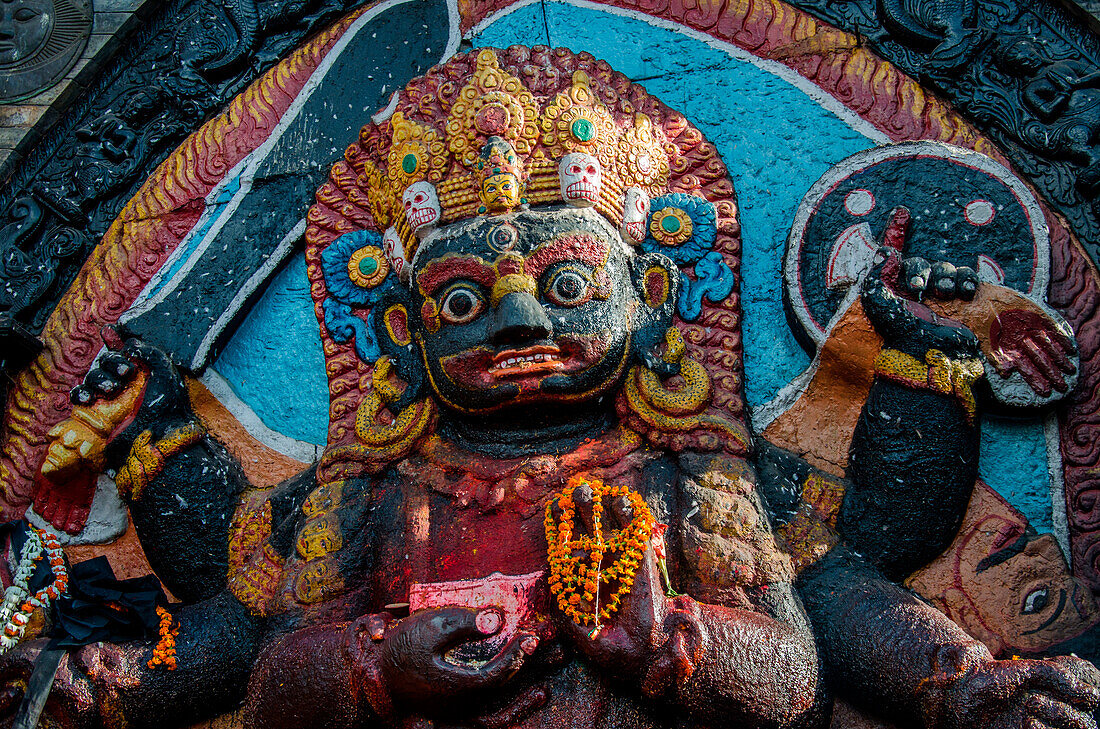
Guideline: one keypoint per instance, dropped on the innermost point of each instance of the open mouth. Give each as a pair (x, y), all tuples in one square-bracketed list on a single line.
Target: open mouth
[(527, 361), (422, 216), (582, 190)]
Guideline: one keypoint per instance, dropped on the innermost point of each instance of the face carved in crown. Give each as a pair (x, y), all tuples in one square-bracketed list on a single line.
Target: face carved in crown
[(539, 306), (421, 204), (580, 176), (499, 192), (635, 214)]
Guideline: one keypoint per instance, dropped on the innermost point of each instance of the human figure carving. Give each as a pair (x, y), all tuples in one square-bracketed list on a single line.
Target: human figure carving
[(534, 381)]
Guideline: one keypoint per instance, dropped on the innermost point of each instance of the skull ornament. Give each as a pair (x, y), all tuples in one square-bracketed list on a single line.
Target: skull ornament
[(580, 176), (421, 206), (395, 251), (635, 214)]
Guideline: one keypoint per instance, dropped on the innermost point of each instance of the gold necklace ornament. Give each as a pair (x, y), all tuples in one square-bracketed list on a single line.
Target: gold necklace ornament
[(577, 562)]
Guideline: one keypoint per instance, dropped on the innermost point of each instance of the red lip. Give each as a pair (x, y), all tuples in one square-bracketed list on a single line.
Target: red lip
[(478, 369), (540, 359)]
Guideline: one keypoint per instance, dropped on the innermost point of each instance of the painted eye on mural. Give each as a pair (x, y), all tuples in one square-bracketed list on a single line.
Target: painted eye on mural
[(569, 287), (574, 169), (1036, 600), (418, 199), (461, 305)]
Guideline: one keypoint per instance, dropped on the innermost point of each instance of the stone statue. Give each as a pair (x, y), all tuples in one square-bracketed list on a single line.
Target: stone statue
[(540, 504)]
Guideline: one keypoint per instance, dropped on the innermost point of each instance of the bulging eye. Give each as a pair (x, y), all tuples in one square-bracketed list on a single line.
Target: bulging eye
[(25, 14), (1036, 600), (569, 288), (461, 305)]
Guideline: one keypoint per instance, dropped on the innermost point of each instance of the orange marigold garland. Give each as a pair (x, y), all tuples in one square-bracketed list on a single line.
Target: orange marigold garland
[(164, 653), (577, 563)]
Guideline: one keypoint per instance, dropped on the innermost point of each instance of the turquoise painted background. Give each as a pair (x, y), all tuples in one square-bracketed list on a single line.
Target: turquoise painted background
[(776, 141)]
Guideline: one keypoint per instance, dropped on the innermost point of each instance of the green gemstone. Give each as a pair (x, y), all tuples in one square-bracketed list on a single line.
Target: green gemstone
[(368, 265), (583, 130), (408, 163), (670, 224)]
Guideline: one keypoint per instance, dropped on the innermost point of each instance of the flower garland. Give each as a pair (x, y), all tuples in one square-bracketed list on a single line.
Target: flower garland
[(164, 653), (15, 620), (574, 580)]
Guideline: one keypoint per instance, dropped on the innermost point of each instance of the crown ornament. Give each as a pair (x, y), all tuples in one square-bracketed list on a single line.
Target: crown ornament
[(497, 146)]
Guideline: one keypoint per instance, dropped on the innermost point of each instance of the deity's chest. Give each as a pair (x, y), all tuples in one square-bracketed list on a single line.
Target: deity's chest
[(483, 529)]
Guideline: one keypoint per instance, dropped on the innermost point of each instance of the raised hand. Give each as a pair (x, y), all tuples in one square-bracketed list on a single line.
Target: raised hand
[(133, 365), (651, 638), (891, 295)]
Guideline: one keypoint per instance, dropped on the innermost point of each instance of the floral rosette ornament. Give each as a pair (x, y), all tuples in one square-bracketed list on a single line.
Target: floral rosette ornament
[(580, 565), (357, 272), (684, 228)]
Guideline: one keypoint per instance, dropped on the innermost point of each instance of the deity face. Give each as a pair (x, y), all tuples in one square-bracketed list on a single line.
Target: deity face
[(500, 193), (24, 28), (532, 307)]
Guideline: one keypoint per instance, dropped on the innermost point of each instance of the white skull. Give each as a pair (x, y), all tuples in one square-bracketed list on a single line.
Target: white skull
[(395, 251), (580, 176), (421, 206), (635, 214)]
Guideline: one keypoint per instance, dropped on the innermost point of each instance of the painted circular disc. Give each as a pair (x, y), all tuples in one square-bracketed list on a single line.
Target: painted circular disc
[(964, 208)]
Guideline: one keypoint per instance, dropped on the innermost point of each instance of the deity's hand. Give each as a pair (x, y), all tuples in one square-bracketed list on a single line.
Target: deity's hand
[(892, 293), (130, 365), (651, 638), (1059, 693), (1031, 344), (132, 388), (72, 700), (412, 654)]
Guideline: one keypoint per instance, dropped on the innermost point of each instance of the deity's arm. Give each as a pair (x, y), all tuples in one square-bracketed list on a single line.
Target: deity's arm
[(180, 484), (884, 648), (739, 649), (215, 647), (903, 659)]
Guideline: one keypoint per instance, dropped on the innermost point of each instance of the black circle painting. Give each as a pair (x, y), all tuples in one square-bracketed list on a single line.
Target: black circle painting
[(954, 204)]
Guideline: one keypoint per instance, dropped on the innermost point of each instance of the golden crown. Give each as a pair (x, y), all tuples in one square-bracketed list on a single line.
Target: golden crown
[(496, 131)]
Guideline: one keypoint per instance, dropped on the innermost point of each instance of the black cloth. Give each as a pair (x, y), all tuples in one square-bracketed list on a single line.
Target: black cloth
[(99, 607)]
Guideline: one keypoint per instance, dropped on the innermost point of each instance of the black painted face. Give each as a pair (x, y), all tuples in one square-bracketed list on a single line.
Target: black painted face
[(528, 308)]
